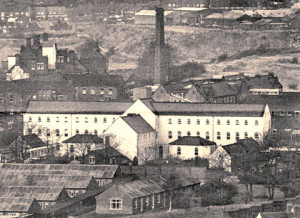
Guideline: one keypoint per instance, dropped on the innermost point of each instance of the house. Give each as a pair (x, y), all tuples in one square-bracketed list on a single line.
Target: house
[(60, 120), (91, 57), (80, 145), (286, 128), (67, 62), (6, 155), (189, 147), (220, 159), (264, 84), (107, 155), (32, 145), (135, 136), (173, 4), (92, 87), (56, 13), (239, 150), (16, 73), (171, 93), (134, 197)]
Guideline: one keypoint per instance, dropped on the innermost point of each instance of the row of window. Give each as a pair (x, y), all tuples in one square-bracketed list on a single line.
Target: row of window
[(237, 135), (11, 98), (93, 91), (57, 132), (237, 122), (86, 119)]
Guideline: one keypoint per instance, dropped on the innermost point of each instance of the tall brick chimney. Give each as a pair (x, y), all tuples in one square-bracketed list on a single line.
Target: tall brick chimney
[(160, 74)]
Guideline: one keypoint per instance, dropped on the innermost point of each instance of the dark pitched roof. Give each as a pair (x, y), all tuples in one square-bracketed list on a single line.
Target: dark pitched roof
[(263, 81), (286, 101), (89, 50), (139, 188), (33, 141), (221, 89), (192, 140), (108, 151), (209, 109), (276, 215), (286, 122), (242, 146), (138, 124), (78, 107), (84, 138)]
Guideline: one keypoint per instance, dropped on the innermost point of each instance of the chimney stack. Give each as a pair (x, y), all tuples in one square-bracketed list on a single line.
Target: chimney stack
[(36, 40), (28, 41), (160, 74)]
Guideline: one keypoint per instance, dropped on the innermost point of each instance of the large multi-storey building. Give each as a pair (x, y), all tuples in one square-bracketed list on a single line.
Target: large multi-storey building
[(221, 123)]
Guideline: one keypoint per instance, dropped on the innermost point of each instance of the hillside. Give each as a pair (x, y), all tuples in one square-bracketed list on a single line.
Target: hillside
[(189, 44)]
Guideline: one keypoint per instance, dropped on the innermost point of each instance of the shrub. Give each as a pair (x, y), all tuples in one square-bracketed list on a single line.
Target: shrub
[(222, 57), (181, 200), (293, 86), (216, 193)]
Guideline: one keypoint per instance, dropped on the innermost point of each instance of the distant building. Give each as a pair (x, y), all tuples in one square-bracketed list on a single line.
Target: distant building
[(147, 17)]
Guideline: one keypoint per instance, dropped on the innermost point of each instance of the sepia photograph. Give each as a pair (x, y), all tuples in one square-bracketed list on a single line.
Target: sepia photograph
[(150, 108)]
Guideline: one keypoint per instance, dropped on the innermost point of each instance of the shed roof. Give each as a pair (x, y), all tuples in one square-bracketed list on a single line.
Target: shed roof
[(78, 107), (138, 188), (138, 124), (84, 138), (192, 140)]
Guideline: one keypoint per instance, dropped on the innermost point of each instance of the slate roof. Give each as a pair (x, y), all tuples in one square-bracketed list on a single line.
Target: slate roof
[(285, 122), (108, 151), (242, 146), (84, 138), (78, 107), (206, 109), (286, 101), (192, 140), (33, 141), (138, 124), (221, 89), (263, 82)]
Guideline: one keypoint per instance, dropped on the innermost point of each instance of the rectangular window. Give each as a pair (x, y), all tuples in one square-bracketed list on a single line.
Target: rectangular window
[(196, 151), (92, 159), (110, 91), (170, 121), (11, 98), (40, 66), (116, 204), (1, 98), (33, 66), (228, 135), (92, 91), (84, 91)]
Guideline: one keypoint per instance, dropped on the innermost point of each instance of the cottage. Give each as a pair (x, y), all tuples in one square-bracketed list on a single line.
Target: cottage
[(107, 155), (189, 147), (132, 198), (80, 145)]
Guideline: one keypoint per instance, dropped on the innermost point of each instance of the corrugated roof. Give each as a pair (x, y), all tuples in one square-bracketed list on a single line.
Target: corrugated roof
[(78, 107), (138, 124), (15, 204), (192, 140), (39, 193), (84, 138), (96, 171)]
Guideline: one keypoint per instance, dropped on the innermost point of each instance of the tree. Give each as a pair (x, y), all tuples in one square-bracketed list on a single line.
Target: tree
[(135, 161), (171, 183), (187, 70)]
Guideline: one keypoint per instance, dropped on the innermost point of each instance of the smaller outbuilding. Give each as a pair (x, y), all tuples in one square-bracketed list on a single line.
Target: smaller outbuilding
[(132, 198), (107, 155), (189, 147)]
